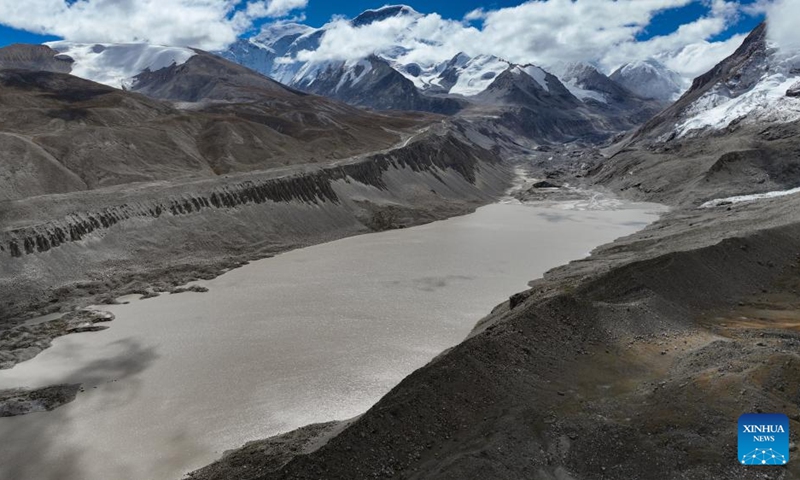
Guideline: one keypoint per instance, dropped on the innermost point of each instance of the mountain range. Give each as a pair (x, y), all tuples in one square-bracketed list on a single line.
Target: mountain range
[(383, 80), (278, 52)]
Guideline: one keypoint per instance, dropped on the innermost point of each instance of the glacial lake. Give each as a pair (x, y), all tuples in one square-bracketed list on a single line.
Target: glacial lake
[(308, 336)]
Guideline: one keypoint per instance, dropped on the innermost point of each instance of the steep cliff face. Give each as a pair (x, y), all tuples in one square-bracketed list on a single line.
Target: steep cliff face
[(57, 248)]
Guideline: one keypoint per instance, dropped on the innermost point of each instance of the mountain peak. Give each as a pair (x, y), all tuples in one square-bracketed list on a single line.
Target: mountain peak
[(272, 33), (388, 11), (650, 78)]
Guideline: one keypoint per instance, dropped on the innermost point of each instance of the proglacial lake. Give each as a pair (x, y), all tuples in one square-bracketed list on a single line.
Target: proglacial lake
[(311, 335)]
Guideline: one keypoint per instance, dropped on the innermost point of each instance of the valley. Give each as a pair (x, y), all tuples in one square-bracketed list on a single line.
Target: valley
[(159, 382), (405, 261)]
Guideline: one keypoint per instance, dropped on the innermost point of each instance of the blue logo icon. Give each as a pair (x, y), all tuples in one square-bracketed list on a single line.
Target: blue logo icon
[(763, 439)]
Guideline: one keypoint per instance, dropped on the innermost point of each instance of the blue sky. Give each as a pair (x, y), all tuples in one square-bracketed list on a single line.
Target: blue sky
[(319, 12)]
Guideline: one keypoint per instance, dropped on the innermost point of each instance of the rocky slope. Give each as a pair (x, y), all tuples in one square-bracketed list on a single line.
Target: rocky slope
[(205, 78), (62, 134), (534, 104), (34, 57)]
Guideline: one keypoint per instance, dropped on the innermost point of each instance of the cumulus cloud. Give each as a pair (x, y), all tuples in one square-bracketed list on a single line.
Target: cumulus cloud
[(696, 59), (546, 32), (206, 24), (427, 38), (782, 27)]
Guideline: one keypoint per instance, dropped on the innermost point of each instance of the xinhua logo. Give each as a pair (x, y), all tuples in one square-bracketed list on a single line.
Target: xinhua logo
[(763, 439)]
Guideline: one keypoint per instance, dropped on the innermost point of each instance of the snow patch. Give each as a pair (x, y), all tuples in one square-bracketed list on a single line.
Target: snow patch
[(537, 74), (749, 198), (475, 75), (116, 65), (572, 75), (583, 94), (355, 72)]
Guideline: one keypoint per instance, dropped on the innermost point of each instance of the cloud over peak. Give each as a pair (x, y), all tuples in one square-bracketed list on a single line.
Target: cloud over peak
[(545, 32)]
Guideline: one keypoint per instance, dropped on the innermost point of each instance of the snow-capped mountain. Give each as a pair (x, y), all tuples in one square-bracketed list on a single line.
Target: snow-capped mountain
[(286, 52), (274, 51), (589, 84), (371, 83), (374, 81), (606, 96), (116, 65), (532, 103), (757, 84), (388, 11), (396, 76), (763, 91), (529, 86), (650, 79)]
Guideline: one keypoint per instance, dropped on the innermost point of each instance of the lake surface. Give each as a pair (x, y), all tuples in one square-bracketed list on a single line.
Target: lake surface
[(312, 335)]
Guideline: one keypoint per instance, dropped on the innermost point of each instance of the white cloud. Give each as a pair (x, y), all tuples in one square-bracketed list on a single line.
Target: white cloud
[(698, 58), (206, 24), (477, 14), (782, 27), (547, 32)]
